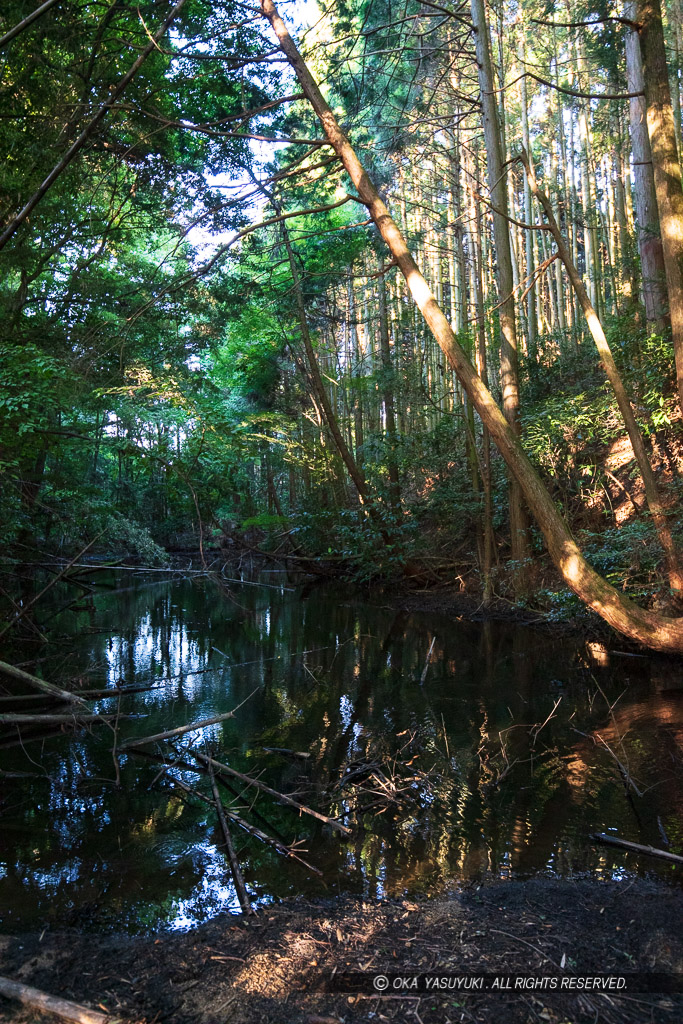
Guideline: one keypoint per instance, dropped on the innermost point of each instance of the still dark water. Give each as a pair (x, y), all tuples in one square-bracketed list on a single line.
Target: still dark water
[(489, 790)]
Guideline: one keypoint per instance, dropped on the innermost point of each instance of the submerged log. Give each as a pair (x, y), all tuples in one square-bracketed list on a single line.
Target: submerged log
[(38, 684), (251, 830), (282, 797), (45, 1003), (238, 878), (624, 844), (40, 719), (172, 733)]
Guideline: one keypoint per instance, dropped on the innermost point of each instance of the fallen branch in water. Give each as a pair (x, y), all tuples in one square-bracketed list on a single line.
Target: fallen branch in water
[(251, 830), (282, 797), (38, 684), (240, 887), (45, 1003), (21, 738), (182, 729), (623, 770), (29, 604), (287, 752), (425, 670), (175, 762), (39, 719), (649, 851)]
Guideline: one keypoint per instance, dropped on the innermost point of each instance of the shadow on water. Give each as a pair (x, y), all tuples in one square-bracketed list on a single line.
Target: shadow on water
[(508, 731)]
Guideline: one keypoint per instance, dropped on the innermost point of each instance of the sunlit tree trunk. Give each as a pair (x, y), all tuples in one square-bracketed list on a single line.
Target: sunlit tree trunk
[(647, 215), (532, 321), (666, 166), (647, 627), (657, 510)]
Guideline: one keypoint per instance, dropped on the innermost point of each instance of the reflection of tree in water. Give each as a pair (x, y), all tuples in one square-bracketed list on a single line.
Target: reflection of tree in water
[(356, 697)]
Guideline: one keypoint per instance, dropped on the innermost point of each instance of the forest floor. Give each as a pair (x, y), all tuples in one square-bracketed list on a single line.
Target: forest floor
[(267, 969)]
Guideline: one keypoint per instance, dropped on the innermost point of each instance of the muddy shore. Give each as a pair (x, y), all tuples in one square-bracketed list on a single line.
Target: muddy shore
[(266, 968)]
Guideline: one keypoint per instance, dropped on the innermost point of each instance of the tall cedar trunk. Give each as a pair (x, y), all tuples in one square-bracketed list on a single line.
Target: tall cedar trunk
[(487, 531), (666, 166), (659, 515), (646, 627), (647, 216), (508, 340), (532, 322), (355, 473), (316, 377), (356, 371), (677, 29), (388, 392), (628, 267)]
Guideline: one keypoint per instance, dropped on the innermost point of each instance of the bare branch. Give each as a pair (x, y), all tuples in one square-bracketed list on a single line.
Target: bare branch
[(570, 92), (585, 24)]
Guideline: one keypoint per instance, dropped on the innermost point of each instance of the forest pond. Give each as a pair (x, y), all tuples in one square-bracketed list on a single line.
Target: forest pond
[(479, 749)]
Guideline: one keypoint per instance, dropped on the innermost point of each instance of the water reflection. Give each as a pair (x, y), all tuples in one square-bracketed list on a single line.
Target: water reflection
[(509, 732)]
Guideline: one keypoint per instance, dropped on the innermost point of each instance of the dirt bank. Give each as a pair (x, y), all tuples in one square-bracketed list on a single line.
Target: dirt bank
[(249, 970)]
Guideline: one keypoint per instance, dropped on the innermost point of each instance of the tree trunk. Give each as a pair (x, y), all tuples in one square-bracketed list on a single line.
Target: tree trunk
[(667, 169), (317, 381), (487, 518), (649, 628), (532, 323), (506, 311), (657, 510), (649, 239), (388, 393)]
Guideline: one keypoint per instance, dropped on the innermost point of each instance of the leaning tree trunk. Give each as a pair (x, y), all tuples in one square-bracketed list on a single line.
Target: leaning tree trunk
[(666, 166), (501, 230), (654, 501), (622, 614)]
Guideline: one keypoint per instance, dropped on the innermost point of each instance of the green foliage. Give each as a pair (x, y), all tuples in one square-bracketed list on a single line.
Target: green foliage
[(120, 534), (562, 428), (265, 521), (152, 370), (656, 378), (628, 556)]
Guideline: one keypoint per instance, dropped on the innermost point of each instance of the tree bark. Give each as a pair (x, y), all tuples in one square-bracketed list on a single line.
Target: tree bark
[(648, 628), (487, 512), (532, 322), (388, 393), (45, 1003), (666, 166), (657, 510), (501, 230), (649, 238), (38, 13), (354, 471)]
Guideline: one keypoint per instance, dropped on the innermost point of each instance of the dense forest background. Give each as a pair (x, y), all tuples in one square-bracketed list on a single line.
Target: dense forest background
[(208, 346)]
